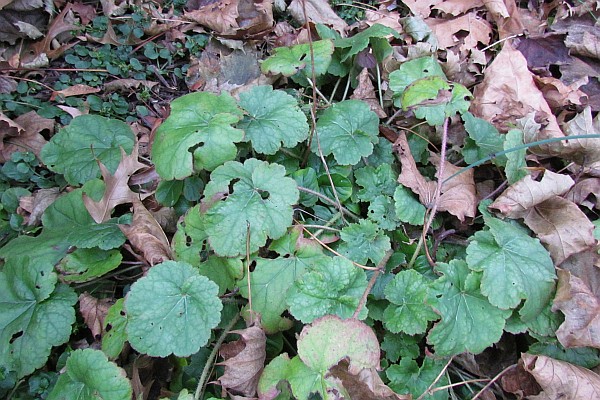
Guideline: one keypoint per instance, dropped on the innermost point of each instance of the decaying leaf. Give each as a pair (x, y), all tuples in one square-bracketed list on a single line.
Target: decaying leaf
[(577, 298), (562, 380), (458, 195), (244, 361), (35, 205), (117, 189), (586, 192), (558, 222), (146, 235), (365, 91), (317, 12), (23, 134), (446, 31), (75, 90), (94, 311)]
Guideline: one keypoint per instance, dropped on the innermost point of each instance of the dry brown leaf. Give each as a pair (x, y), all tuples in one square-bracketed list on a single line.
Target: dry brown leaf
[(366, 385), (421, 8), (520, 197), (457, 7), (72, 111), (317, 12), (146, 235), (508, 92), (458, 195), (520, 382), (479, 31), (7, 84), (75, 90), (582, 151), (365, 91), (36, 205), (125, 85), (94, 311), (558, 95), (117, 188), (23, 134), (236, 18), (244, 361), (384, 17), (562, 380), (577, 298), (586, 192), (497, 8)]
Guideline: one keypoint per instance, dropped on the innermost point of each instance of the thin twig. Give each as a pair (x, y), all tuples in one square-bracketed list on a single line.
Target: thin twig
[(321, 95), (248, 272), (380, 268), (211, 358), (490, 383), (328, 200), (442, 372)]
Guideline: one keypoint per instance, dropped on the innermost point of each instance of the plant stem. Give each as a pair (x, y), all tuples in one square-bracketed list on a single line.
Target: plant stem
[(328, 200), (316, 89), (211, 358), (380, 267)]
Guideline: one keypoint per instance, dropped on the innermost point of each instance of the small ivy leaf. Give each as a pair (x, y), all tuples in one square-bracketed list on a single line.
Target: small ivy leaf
[(364, 241), (408, 208), (406, 377), (272, 278), (412, 71), (260, 206), (361, 41), (375, 182), (76, 149), (469, 322), (398, 346), (446, 104), (347, 130), (320, 349), (289, 61), (83, 265), (274, 119), (330, 286), (30, 303), (197, 135), (515, 267), (90, 375), (114, 326), (408, 311), (171, 310)]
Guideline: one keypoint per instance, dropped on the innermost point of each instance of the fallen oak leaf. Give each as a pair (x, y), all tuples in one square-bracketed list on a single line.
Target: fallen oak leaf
[(145, 234), (244, 361), (117, 189)]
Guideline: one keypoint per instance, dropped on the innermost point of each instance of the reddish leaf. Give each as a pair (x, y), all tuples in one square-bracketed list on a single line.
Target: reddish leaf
[(94, 311)]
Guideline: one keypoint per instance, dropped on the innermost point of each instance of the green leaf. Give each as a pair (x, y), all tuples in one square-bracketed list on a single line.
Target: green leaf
[(272, 278), (197, 135), (382, 211), (515, 160), (469, 322), (408, 311), (515, 267), (361, 40), (440, 109), (260, 205), (90, 375), (68, 217), (171, 310), (289, 61), (35, 314), (343, 186), (397, 346), (76, 149), (83, 265), (273, 119), (406, 377), (347, 130), (364, 241), (115, 323), (320, 347), (412, 71), (168, 192), (422, 90), (375, 182), (484, 139), (49, 246), (408, 208), (303, 380), (329, 286), (307, 178)]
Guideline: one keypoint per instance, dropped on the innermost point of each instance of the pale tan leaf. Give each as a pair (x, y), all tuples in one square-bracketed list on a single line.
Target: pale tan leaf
[(244, 361), (457, 7), (75, 90), (125, 85), (317, 12), (446, 31), (577, 298), (586, 192), (562, 380), (72, 111), (94, 311), (117, 189), (27, 138), (508, 92), (421, 8), (410, 175), (219, 16), (520, 197), (497, 8), (365, 385), (558, 95), (146, 235), (582, 151), (40, 200), (365, 91)]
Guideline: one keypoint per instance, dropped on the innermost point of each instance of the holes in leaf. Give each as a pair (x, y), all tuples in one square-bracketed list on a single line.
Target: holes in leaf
[(263, 194), (231, 183), (15, 336), (108, 328)]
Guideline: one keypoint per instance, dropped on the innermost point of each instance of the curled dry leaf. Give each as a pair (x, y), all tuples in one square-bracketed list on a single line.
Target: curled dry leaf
[(562, 380), (244, 361), (75, 90), (457, 7), (23, 134), (586, 192), (458, 195), (317, 12), (36, 205), (577, 298), (127, 85), (582, 151), (365, 91), (421, 8), (557, 222), (446, 31), (94, 311), (558, 95), (146, 235), (117, 188)]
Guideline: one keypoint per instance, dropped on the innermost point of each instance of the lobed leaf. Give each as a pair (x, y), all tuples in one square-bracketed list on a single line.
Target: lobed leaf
[(364, 241)]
